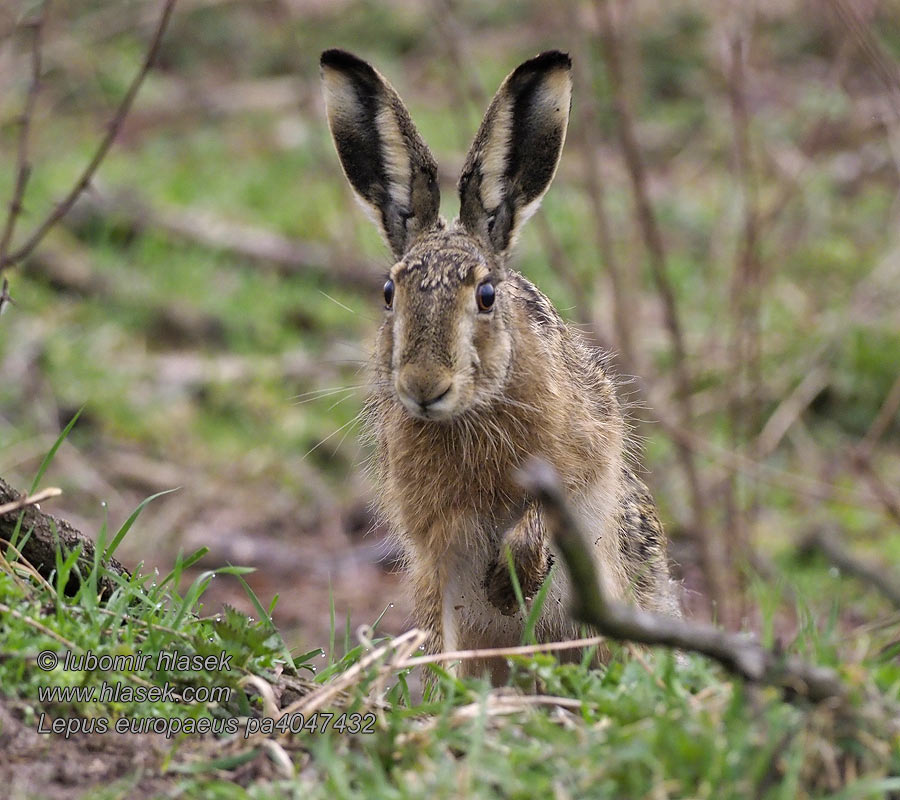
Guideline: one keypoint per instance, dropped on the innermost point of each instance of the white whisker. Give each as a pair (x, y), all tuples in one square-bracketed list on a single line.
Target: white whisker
[(346, 308), (331, 435), (321, 394)]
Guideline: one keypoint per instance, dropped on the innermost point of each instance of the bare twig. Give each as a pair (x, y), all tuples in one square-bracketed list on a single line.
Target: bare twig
[(736, 462), (883, 66), (471, 93), (23, 168), (860, 457), (745, 288), (829, 544), (634, 161), (30, 500), (740, 654), (883, 419), (453, 37), (889, 499), (5, 298), (713, 555), (63, 207), (789, 411), (745, 382)]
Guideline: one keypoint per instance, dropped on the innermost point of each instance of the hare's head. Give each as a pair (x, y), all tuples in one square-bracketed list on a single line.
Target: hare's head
[(450, 316)]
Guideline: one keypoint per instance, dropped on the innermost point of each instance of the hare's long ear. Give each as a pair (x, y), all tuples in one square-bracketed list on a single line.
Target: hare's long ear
[(515, 153), (388, 165)]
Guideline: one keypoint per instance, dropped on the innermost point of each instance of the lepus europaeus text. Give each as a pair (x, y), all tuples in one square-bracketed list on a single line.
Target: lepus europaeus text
[(474, 371)]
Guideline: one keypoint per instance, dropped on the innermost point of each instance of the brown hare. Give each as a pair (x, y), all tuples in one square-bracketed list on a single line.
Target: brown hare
[(474, 371)]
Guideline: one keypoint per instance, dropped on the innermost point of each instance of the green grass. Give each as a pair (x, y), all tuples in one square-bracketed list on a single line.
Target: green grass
[(639, 725), (642, 724)]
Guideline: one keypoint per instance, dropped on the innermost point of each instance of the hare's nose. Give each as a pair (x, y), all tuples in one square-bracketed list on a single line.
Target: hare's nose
[(420, 393)]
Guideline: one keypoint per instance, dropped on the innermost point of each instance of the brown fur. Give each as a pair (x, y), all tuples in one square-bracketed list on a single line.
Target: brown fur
[(462, 396)]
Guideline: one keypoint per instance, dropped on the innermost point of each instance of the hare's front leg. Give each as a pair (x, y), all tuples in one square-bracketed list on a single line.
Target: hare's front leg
[(426, 601), (527, 542)]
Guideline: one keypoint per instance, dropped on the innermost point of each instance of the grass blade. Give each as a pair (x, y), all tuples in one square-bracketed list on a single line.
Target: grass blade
[(126, 526), (52, 451)]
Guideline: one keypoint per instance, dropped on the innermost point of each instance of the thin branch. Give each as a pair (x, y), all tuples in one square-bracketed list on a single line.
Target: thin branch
[(883, 419), (589, 122), (5, 298), (830, 545), (612, 50), (736, 462), (882, 64), (23, 168), (888, 498), (740, 654), (789, 411), (713, 555), (63, 207), (745, 383)]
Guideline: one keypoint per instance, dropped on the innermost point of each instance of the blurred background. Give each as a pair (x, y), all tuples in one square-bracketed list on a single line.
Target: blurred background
[(725, 220)]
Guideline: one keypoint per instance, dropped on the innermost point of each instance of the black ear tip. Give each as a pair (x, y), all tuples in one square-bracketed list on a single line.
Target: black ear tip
[(335, 58), (546, 61)]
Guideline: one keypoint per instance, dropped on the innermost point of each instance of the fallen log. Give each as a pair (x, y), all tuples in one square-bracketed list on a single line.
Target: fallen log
[(40, 535)]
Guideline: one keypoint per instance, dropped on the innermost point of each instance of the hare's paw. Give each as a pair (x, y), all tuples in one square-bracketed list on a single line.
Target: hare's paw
[(498, 582), (499, 588)]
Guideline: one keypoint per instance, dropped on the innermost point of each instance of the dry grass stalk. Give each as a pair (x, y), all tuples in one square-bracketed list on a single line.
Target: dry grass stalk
[(30, 500), (500, 652), (310, 703)]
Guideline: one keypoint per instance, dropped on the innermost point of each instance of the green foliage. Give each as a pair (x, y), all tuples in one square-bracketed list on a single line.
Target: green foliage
[(619, 731)]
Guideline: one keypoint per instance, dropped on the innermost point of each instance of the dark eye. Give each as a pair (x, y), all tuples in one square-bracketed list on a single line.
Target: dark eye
[(388, 293), (485, 296)]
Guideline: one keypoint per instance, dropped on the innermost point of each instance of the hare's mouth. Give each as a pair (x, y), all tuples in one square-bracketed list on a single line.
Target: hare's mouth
[(440, 404)]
